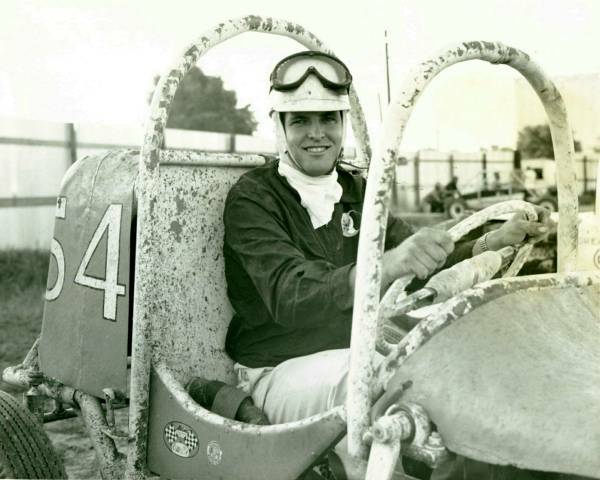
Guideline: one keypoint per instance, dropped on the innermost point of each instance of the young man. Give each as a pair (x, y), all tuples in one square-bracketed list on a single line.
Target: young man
[(291, 238)]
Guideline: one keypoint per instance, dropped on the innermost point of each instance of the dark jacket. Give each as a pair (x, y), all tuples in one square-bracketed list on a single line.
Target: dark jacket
[(287, 282)]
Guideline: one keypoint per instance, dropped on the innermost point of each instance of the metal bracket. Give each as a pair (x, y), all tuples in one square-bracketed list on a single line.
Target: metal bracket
[(426, 445), (409, 423), (111, 397), (35, 402), (22, 376)]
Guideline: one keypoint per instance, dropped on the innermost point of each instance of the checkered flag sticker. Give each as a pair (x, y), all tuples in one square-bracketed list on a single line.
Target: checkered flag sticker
[(181, 439)]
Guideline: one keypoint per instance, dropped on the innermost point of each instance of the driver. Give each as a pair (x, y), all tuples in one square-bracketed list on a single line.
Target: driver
[(291, 239)]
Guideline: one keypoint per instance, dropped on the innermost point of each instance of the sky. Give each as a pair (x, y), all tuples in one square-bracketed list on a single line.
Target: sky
[(94, 60)]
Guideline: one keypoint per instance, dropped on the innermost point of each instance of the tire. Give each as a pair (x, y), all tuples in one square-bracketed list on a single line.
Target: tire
[(25, 449), (456, 208), (549, 203)]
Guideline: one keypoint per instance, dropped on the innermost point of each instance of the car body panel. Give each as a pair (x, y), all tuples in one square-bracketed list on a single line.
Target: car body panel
[(85, 326), (510, 381)]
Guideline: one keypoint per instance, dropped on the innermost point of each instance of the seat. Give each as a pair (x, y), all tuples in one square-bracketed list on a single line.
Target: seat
[(190, 314)]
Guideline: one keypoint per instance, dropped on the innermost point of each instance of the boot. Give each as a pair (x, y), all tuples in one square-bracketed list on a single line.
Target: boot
[(225, 400)]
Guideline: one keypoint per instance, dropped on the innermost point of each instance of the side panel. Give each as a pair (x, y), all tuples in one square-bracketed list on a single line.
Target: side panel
[(84, 331), (516, 381)]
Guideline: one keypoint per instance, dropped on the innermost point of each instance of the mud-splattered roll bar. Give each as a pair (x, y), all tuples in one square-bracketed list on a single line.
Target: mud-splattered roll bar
[(168, 83), (146, 186), (375, 210)]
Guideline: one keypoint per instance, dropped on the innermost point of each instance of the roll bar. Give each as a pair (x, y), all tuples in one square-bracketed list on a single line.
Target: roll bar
[(376, 206)]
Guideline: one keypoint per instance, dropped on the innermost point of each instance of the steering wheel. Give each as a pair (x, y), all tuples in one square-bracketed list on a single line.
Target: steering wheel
[(387, 306)]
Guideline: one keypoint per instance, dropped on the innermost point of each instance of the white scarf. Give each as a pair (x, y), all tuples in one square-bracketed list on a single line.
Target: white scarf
[(317, 194)]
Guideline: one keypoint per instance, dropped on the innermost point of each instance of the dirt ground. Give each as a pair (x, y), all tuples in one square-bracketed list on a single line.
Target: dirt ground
[(71, 441)]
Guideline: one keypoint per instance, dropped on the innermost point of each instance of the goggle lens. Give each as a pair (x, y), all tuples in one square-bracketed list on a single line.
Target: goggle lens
[(293, 70)]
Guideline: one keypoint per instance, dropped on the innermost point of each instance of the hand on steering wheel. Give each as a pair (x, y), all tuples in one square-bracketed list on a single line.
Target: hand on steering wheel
[(527, 220), (419, 255), (518, 227)]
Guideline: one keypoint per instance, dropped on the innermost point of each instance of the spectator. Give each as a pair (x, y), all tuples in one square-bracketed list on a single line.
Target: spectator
[(452, 185), (435, 199)]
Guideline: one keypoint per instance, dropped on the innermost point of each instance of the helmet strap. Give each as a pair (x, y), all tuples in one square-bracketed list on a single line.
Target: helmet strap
[(296, 164), (286, 151), (341, 154)]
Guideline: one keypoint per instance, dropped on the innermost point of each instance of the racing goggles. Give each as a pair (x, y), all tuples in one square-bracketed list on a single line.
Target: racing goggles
[(292, 71)]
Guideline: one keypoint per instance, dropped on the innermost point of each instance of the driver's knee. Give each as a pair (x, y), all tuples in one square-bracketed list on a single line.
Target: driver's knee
[(303, 386)]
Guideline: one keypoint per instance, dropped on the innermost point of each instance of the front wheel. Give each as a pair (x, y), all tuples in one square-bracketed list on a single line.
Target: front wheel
[(456, 208), (25, 449)]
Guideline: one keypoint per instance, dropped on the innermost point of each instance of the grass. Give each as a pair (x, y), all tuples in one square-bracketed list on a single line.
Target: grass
[(22, 285), (22, 269)]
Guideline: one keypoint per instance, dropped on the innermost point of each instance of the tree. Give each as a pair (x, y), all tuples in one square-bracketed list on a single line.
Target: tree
[(535, 141), (202, 103)]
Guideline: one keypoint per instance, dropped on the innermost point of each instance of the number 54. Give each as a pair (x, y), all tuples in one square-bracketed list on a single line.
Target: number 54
[(110, 223)]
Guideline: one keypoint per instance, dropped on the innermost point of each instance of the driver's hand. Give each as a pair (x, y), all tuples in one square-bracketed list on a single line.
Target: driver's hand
[(519, 227), (421, 254)]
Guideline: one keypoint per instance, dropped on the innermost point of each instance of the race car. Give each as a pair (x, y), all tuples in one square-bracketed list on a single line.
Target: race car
[(136, 307)]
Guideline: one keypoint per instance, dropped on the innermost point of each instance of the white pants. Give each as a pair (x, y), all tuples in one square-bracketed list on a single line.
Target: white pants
[(299, 387), (304, 386)]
